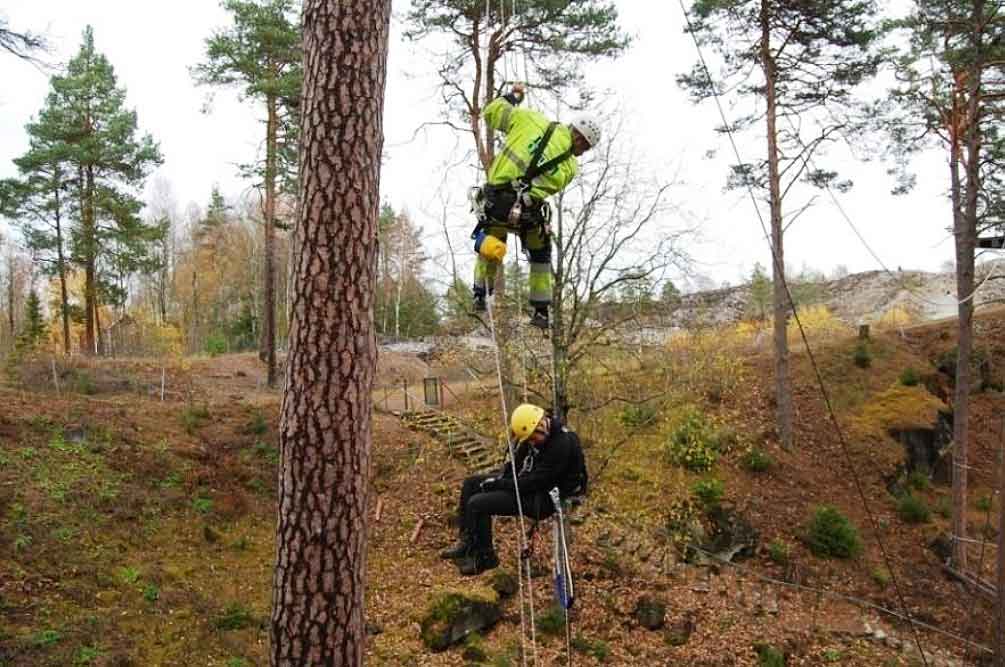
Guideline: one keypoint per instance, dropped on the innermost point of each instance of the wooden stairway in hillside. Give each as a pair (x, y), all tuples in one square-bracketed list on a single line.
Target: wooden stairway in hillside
[(478, 453)]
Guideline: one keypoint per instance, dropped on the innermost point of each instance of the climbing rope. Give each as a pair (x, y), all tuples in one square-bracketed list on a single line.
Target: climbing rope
[(521, 547)]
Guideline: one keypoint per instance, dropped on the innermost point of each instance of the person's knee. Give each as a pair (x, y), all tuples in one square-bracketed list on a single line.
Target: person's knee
[(540, 255)]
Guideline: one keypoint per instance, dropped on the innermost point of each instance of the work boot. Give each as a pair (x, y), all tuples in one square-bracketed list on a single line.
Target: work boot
[(540, 319), (456, 552), (479, 303), (477, 562)]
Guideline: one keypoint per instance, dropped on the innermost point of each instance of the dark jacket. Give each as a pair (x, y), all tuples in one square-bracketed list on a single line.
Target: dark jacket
[(550, 466)]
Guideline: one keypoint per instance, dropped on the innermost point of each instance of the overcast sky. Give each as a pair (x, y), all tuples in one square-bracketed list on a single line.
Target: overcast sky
[(152, 44)]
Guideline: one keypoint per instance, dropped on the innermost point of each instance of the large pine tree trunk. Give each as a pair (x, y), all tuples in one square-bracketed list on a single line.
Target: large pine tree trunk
[(325, 427), (269, 329), (64, 299), (88, 233), (965, 211), (783, 395)]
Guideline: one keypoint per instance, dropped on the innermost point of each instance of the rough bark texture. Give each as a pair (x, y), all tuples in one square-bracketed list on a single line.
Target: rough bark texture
[(88, 232), (965, 211), (270, 242), (783, 395), (317, 608), (64, 299)]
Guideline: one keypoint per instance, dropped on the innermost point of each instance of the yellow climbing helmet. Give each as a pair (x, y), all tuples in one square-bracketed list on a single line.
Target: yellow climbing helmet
[(524, 420)]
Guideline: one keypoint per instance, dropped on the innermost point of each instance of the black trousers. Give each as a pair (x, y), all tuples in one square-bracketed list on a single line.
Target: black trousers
[(478, 507)]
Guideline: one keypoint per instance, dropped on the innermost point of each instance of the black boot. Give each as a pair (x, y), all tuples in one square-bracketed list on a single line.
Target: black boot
[(477, 562), (456, 552), (540, 318)]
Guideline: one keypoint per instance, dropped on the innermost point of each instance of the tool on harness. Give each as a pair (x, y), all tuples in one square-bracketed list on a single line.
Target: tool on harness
[(489, 247), (511, 204)]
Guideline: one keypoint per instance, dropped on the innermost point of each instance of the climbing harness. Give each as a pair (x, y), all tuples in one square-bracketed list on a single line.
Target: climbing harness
[(510, 205)]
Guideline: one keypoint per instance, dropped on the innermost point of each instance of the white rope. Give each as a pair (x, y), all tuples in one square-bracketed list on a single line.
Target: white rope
[(519, 503)]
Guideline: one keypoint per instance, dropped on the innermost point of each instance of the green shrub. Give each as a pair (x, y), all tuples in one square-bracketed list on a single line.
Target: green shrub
[(779, 551), (769, 656), (87, 655), (918, 481), (84, 384), (267, 452), (202, 505), (551, 622), (757, 460), (693, 444), (129, 575), (831, 535), (596, 648), (216, 345), (258, 424), (193, 417), (912, 509), (708, 491), (637, 416), (833, 655), (944, 507), (46, 638), (234, 617), (909, 377), (862, 356), (151, 593), (984, 503)]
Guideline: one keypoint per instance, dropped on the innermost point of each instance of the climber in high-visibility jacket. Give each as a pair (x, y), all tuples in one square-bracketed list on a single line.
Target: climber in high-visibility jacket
[(513, 200)]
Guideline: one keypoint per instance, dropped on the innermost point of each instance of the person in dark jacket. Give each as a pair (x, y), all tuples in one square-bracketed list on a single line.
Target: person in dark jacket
[(546, 457)]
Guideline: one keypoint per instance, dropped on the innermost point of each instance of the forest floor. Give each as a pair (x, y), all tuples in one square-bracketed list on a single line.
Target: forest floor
[(140, 531)]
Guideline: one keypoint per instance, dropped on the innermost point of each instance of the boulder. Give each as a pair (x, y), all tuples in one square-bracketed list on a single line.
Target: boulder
[(732, 536)]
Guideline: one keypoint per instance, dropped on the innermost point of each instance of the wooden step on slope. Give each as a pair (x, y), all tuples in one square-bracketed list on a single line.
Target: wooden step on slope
[(478, 453)]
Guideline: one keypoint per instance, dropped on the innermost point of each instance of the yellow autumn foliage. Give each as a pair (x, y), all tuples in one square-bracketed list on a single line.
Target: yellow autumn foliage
[(819, 323), (897, 317)]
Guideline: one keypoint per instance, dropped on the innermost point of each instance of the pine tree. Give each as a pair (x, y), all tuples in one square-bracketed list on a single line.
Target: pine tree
[(34, 329), (951, 92), (261, 52), (796, 63), (670, 295), (109, 164), (555, 36), (325, 427), (760, 292), (40, 202)]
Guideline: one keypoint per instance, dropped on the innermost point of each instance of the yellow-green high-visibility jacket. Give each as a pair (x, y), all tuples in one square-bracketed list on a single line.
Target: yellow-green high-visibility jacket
[(523, 129)]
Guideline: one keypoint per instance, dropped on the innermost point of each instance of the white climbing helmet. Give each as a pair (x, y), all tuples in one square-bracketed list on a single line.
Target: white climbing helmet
[(588, 125)]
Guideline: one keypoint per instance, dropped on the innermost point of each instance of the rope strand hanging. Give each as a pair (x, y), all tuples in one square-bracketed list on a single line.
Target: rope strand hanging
[(522, 546)]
